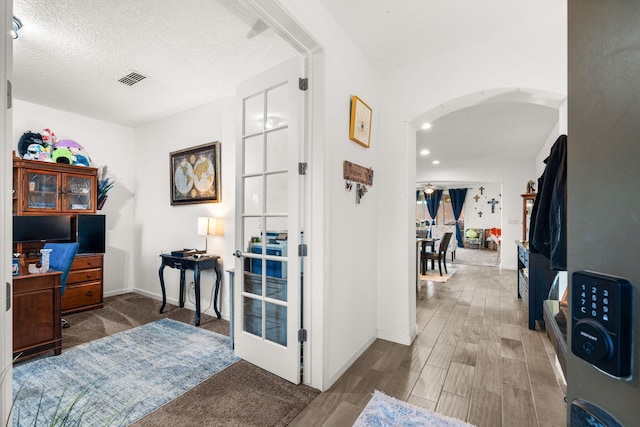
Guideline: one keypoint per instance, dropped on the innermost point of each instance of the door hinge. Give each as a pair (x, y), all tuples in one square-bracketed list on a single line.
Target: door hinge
[(302, 335), (9, 92), (302, 168), (8, 305), (303, 83), (302, 249)]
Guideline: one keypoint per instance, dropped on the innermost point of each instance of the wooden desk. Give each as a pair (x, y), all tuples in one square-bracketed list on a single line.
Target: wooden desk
[(207, 262), (36, 314)]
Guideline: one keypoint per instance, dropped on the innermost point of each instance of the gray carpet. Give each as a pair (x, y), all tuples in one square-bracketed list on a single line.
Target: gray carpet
[(241, 395)]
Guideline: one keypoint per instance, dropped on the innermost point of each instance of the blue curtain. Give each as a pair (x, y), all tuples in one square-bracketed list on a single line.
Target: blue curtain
[(457, 202), (433, 203), (417, 200)]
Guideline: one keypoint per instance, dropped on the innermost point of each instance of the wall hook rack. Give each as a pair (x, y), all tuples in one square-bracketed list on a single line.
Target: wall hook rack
[(359, 174), (361, 190)]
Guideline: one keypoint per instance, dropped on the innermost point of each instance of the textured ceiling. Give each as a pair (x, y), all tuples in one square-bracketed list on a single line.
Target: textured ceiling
[(71, 53)]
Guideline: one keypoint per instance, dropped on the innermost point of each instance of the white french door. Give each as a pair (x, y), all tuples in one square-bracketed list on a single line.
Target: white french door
[(268, 214)]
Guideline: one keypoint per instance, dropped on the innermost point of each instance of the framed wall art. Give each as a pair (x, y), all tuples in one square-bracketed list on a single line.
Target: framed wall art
[(360, 128), (195, 174)]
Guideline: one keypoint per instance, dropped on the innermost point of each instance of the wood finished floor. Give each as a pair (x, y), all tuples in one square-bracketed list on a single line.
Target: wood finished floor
[(474, 359)]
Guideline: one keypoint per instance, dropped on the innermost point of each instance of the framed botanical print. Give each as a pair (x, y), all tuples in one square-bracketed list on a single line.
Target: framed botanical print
[(195, 174), (360, 128)]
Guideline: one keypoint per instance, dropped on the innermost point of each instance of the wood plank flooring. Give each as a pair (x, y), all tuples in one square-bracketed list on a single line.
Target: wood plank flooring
[(474, 359)]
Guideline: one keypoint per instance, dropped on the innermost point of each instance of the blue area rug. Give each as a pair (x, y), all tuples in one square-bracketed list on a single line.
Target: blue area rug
[(118, 379), (385, 411)]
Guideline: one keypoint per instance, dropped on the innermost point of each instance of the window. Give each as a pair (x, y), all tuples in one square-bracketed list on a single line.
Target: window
[(445, 211)]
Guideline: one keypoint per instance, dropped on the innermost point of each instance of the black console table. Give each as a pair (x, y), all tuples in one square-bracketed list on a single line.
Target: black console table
[(204, 262)]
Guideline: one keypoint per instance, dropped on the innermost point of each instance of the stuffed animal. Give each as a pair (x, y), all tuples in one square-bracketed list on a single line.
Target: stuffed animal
[(28, 138), (63, 155), (48, 137), (37, 152), (81, 155), (81, 160)]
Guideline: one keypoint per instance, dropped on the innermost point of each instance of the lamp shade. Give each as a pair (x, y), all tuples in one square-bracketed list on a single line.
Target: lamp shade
[(206, 226)]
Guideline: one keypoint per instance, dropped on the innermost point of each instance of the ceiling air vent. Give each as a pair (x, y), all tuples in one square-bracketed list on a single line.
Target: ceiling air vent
[(131, 78)]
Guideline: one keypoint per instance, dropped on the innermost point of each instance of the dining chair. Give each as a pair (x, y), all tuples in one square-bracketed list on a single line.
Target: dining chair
[(441, 253)]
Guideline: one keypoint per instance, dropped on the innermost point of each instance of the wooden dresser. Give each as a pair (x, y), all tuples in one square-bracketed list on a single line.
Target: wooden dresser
[(84, 284), (36, 314)]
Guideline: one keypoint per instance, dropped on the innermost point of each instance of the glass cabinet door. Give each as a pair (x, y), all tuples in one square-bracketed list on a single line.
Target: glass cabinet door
[(42, 190), (78, 192)]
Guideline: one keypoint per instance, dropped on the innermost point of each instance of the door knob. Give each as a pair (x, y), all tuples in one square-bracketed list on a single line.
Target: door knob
[(237, 254)]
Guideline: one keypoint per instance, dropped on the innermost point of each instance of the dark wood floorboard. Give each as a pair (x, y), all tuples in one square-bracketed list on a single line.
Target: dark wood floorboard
[(474, 359)]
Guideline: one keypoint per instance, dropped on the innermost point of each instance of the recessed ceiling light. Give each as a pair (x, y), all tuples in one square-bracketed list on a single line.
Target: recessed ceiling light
[(425, 152), (426, 126), (436, 162)]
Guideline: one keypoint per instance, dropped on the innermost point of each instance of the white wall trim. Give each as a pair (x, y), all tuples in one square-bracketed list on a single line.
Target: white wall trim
[(121, 292), (398, 338), (187, 304), (354, 356)]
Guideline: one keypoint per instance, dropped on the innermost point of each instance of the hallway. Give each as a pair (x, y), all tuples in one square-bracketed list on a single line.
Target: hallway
[(474, 359)]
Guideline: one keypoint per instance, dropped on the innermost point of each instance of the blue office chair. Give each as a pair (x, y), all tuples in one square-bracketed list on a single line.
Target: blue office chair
[(61, 258)]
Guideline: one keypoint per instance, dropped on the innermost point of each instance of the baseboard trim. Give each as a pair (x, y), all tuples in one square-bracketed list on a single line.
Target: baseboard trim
[(188, 305), (121, 292), (398, 338), (350, 361)]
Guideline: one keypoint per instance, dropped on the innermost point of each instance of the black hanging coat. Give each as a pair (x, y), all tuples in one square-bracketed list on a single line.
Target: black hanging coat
[(548, 227)]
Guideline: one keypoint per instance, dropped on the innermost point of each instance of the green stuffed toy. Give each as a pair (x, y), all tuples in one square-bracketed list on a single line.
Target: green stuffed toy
[(63, 155)]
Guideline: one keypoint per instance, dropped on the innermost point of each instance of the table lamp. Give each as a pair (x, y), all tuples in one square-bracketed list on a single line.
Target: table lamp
[(206, 227)]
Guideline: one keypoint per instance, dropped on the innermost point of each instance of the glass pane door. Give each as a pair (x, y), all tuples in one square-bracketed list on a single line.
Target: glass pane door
[(42, 191), (78, 193), (267, 294), (265, 184)]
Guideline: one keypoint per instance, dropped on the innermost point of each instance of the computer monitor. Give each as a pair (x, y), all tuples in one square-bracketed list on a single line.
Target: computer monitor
[(91, 233), (41, 228)]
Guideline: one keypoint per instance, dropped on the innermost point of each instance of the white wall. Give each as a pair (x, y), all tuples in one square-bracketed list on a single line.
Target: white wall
[(472, 207), (160, 227), (534, 56), (108, 144), (349, 231)]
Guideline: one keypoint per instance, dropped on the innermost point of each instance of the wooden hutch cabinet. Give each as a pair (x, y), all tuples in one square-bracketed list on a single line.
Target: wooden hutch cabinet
[(44, 188)]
